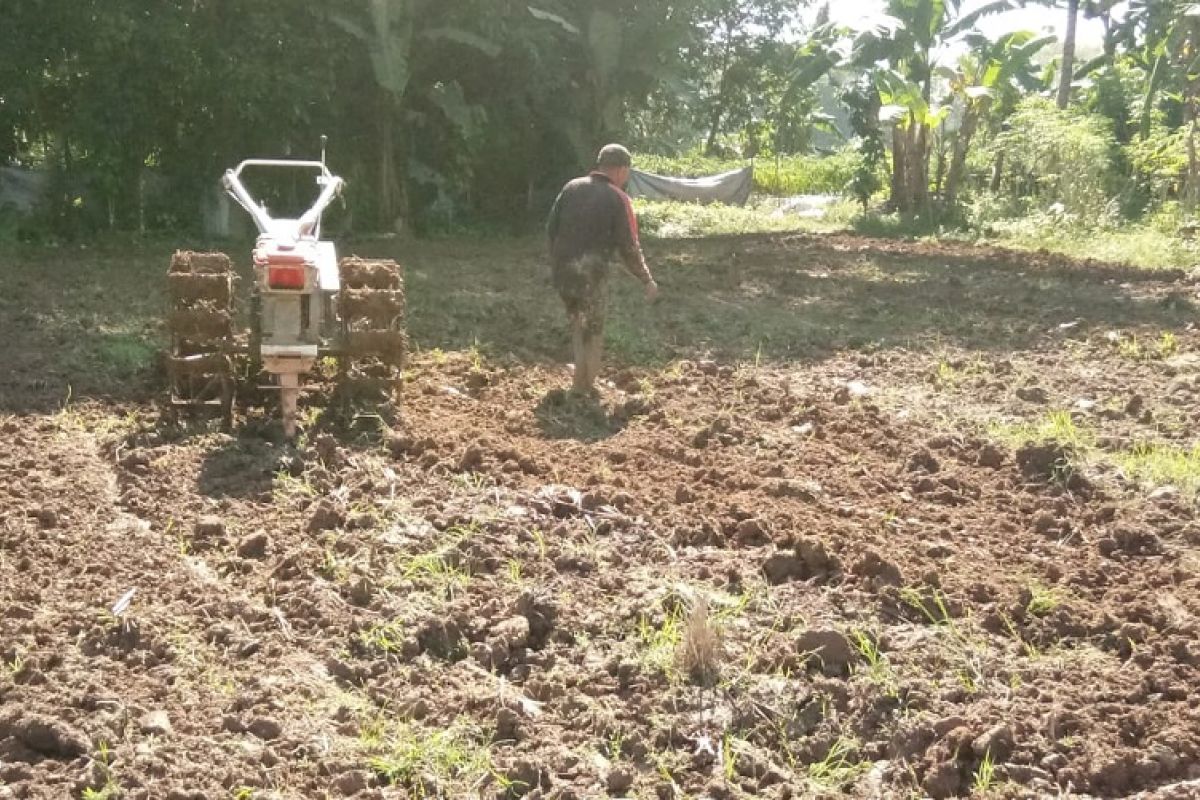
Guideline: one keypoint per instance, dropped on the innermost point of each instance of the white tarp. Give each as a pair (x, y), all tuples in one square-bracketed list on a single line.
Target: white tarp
[(731, 188)]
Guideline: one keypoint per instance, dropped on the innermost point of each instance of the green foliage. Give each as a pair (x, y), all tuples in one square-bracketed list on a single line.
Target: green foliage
[(1057, 155), (1159, 161), (470, 115)]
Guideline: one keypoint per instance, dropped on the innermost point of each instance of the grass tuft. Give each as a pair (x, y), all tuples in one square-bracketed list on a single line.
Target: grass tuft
[(700, 647), (1162, 464), (450, 762)]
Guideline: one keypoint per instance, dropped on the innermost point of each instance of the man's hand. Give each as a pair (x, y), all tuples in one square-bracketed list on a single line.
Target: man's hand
[(651, 291)]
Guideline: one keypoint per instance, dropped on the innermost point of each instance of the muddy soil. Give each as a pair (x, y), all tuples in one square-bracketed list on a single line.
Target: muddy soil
[(830, 565)]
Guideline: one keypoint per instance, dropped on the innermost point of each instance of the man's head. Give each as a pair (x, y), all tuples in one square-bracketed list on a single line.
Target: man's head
[(614, 161)]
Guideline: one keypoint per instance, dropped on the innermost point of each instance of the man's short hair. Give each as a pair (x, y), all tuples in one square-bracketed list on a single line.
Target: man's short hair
[(614, 155)]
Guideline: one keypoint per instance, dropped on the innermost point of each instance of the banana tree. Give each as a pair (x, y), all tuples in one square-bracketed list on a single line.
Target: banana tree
[(992, 75), (1174, 55), (911, 39), (387, 29), (615, 58), (906, 109)]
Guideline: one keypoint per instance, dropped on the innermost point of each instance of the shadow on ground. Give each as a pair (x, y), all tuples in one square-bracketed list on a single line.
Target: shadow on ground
[(90, 324)]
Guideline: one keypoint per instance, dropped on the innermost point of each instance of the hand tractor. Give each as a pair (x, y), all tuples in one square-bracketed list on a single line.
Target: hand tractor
[(305, 305)]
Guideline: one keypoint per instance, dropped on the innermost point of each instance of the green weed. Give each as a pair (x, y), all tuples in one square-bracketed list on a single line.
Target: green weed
[(1042, 600), (429, 763), (840, 767), (985, 776), (386, 637), (109, 788), (1055, 427), (879, 669), (659, 646), (1162, 464)]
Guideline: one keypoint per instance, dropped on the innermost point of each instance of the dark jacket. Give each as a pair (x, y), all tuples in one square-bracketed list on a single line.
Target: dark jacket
[(593, 217)]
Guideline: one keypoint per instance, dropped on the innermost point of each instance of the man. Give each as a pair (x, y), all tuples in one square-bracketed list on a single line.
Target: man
[(591, 218)]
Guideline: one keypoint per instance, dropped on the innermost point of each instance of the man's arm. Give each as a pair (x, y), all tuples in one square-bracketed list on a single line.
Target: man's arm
[(555, 214), (630, 245)]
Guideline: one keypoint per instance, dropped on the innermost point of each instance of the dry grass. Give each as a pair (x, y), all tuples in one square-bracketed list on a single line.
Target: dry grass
[(700, 648)]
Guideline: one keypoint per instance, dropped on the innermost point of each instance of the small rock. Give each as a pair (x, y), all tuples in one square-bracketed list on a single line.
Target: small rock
[(513, 632), (942, 781), (325, 517), (1033, 394), (265, 728), (155, 723), (254, 546), (353, 782), (210, 528), (781, 567), (684, 495), (508, 725), (990, 456), (471, 458), (998, 741), (619, 781), (750, 533), (47, 517), (829, 649)]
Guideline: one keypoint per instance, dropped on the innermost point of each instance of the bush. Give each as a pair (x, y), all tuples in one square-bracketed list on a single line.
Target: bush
[(1057, 156)]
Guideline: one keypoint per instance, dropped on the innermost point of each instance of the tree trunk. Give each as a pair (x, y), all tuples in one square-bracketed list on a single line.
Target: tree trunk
[(958, 162), (710, 145), (387, 158), (393, 197), (1068, 56), (1192, 191), (899, 202), (917, 170)]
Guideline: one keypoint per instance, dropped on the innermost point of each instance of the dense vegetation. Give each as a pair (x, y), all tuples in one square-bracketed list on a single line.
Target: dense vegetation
[(444, 115)]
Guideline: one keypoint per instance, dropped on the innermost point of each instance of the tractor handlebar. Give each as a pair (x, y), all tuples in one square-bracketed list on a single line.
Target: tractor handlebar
[(310, 221)]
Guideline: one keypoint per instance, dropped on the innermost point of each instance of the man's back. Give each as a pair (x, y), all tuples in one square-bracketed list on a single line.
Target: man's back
[(591, 217)]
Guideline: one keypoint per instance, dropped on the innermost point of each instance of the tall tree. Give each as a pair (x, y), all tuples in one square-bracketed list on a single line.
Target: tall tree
[(1067, 71)]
